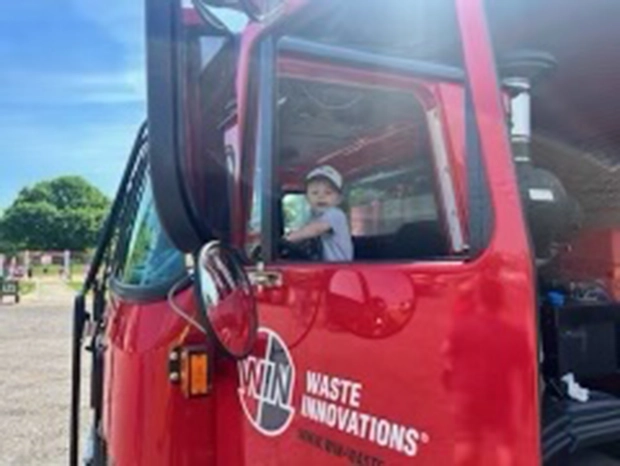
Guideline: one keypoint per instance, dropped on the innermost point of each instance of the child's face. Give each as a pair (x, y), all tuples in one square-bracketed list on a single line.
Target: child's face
[(321, 195)]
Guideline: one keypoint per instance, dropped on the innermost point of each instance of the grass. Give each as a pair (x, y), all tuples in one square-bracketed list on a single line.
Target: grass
[(53, 270), (26, 287), (75, 285)]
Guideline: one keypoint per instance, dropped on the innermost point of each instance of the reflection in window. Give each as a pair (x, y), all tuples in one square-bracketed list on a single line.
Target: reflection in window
[(296, 211), (254, 224), (380, 204)]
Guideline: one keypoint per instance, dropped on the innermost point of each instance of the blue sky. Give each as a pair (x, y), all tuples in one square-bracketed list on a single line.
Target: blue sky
[(72, 90)]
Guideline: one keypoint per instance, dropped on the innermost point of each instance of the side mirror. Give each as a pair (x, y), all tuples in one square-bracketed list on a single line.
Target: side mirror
[(226, 301), (191, 68)]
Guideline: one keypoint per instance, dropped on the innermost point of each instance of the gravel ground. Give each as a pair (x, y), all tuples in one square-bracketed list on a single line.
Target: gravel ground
[(35, 377)]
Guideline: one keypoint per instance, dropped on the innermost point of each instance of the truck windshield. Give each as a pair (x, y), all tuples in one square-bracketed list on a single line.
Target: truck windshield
[(151, 260)]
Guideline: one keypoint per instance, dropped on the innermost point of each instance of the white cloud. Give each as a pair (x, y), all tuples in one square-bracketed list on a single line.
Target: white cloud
[(26, 88), (123, 20), (44, 129), (120, 20), (125, 86)]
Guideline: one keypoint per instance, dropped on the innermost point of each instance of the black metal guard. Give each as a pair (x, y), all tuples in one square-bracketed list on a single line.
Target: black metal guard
[(96, 280), (79, 318)]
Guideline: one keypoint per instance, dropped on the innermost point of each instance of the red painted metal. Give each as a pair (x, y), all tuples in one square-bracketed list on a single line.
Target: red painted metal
[(147, 419), (445, 348)]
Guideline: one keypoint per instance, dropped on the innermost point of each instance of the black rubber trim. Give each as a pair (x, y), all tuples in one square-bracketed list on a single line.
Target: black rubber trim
[(481, 218), (142, 294), (79, 319), (165, 120), (366, 60), (266, 143)]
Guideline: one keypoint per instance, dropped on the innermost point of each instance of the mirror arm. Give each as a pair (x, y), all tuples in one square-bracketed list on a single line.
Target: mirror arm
[(204, 10)]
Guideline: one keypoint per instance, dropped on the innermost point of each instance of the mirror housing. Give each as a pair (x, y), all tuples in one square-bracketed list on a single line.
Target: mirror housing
[(226, 302), (187, 156), (165, 121)]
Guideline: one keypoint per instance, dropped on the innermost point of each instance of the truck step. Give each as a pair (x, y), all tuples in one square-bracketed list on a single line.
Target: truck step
[(571, 426)]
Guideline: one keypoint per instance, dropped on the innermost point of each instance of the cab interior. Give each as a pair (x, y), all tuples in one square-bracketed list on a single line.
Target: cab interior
[(377, 138)]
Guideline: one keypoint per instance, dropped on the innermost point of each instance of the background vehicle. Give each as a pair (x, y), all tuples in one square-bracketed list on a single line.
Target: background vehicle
[(475, 287)]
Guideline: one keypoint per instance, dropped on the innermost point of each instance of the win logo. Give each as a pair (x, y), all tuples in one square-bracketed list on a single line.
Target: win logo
[(266, 382)]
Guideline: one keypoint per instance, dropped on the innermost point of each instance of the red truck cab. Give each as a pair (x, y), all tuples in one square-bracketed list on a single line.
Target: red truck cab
[(446, 340)]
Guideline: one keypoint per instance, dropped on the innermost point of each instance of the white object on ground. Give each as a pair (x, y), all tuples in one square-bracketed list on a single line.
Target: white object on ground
[(576, 391)]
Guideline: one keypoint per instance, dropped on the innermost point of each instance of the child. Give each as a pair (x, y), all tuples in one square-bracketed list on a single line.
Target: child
[(328, 222)]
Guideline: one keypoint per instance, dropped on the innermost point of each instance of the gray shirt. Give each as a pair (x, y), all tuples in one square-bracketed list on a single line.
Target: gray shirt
[(337, 243)]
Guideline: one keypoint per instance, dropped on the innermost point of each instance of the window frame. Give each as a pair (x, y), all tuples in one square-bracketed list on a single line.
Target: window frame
[(450, 216)]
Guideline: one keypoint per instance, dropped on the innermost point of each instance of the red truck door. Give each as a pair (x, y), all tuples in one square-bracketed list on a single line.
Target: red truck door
[(421, 346)]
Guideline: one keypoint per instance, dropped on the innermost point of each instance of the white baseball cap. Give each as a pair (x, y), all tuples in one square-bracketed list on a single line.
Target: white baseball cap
[(325, 171)]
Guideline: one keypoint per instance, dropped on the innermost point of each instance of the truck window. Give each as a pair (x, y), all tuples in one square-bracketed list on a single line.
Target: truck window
[(150, 259), (382, 203), (377, 204), (379, 141), (379, 94)]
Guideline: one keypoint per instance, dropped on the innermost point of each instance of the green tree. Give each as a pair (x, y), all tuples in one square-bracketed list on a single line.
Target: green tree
[(6, 246), (63, 213)]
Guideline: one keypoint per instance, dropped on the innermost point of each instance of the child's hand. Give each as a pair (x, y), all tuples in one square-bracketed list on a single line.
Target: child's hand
[(311, 230)]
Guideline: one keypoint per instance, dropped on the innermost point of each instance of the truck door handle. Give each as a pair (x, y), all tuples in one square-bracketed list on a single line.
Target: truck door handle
[(265, 278)]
